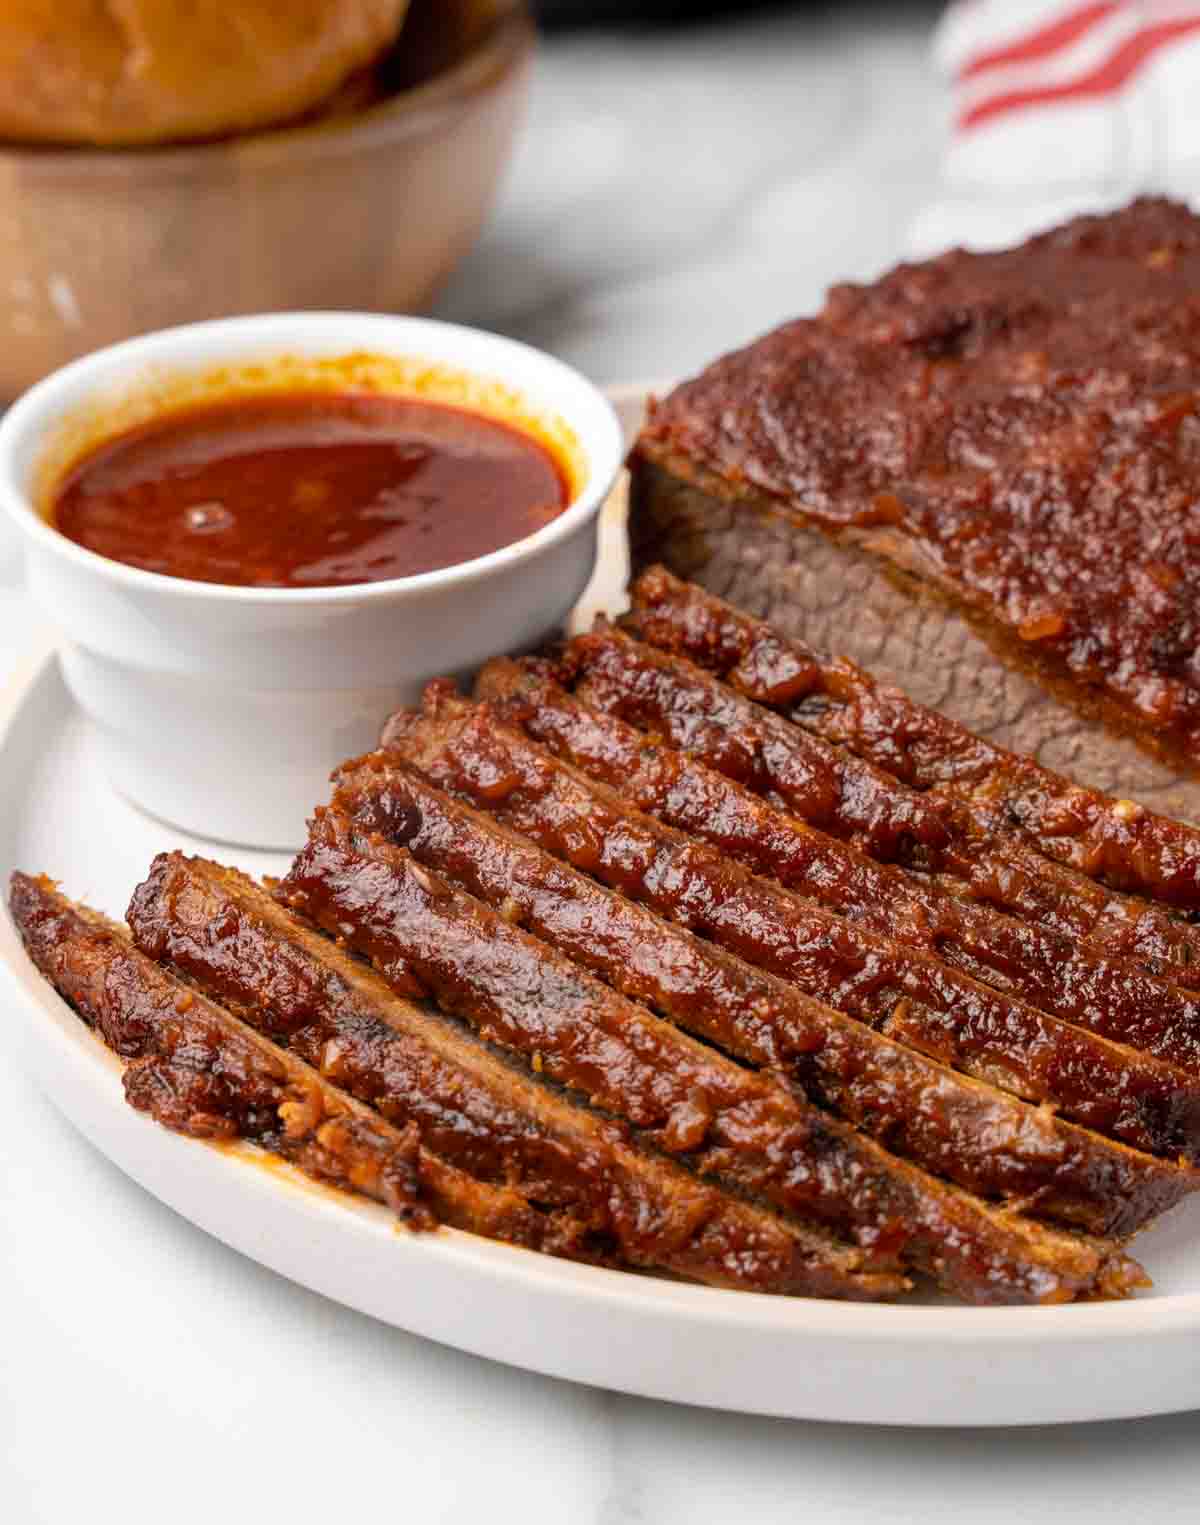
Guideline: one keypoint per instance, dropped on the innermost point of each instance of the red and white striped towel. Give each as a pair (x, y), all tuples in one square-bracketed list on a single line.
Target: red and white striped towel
[(1062, 106)]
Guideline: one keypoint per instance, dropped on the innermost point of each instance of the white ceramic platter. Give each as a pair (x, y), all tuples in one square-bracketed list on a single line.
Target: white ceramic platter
[(908, 1364)]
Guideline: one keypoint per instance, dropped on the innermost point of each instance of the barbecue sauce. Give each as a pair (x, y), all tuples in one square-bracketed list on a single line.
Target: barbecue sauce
[(309, 490)]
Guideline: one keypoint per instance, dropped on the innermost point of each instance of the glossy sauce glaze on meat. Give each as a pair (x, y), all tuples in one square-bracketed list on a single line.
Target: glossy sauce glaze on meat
[(658, 953), (735, 1127), (1083, 985), (905, 992), (601, 1197), (956, 1127), (198, 1069), (1011, 436), (984, 797)]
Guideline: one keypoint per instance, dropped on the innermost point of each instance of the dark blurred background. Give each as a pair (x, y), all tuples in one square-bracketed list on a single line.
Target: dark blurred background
[(556, 14), (571, 13)]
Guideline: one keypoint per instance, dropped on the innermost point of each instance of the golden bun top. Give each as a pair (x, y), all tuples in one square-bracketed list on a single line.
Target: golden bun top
[(118, 73)]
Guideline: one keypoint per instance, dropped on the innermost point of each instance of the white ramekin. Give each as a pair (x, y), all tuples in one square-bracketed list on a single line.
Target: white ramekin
[(223, 709)]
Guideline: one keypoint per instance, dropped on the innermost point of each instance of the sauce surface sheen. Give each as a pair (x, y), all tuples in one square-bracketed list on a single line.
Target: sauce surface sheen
[(309, 490)]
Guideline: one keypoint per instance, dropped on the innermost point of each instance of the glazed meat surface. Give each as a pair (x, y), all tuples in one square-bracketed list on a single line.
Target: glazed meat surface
[(833, 1172), (1081, 984), (198, 1070), (905, 992), (955, 1126), (610, 1202), (684, 947), (1040, 844), (992, 459)]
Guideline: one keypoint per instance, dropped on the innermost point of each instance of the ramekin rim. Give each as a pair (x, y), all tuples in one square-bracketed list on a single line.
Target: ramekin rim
[(604, 458)]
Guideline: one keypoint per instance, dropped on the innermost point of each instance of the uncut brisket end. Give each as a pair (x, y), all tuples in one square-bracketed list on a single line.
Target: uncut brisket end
[(198, 1070), (954, 1126), (904, 991), (990, 458), (1051, 971), (235, 941), (987, 795), (766, 1143)]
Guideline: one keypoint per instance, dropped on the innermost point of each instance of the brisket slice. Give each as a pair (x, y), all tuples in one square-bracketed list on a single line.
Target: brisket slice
[(237, 943), (833, 790), (135, 1005), (1052, 972), (990, 459), (993, 799), (198, 1070), (903, 991), (762, 1139), (954, 1126), (422, 935)]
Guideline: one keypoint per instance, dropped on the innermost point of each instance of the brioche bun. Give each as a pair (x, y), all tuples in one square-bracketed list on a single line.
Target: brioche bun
[(128, 72)]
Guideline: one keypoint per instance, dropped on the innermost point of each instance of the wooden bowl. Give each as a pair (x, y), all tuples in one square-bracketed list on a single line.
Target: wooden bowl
[(366, 210)]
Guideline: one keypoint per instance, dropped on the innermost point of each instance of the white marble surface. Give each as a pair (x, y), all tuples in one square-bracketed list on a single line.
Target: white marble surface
[(678, 193), (673, 196)]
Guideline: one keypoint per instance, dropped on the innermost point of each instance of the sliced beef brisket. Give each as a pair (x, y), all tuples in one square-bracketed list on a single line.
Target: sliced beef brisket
[(1052, 971), (199, 1069), (956, 1127), (903, 991), (729, 1124), (1033, 822)]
